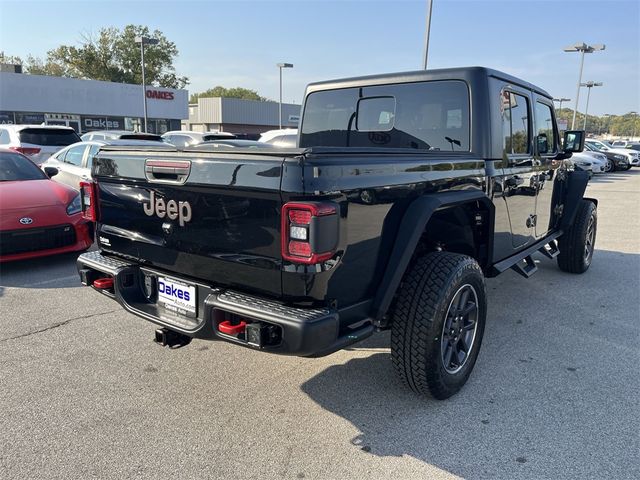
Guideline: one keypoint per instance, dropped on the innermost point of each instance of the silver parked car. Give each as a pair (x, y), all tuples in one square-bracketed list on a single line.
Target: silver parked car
[(186, 138)]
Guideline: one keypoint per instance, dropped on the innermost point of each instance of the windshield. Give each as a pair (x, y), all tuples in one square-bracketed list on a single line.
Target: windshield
[(52, 137), (14, 166)]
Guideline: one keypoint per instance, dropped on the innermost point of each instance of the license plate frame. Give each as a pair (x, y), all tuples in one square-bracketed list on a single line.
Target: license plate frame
[(171, 296)]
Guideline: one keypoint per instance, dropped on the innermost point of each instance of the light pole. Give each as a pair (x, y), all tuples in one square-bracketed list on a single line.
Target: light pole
[(583, 48), (561, 100), (589, 85), (144, 41), (280, 67), (635, 120), (427, 32)]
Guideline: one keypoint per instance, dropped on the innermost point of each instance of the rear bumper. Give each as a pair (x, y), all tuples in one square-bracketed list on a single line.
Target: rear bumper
[(301, 331)]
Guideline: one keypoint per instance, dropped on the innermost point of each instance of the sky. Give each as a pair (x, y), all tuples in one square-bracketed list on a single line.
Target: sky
[(239, 43)]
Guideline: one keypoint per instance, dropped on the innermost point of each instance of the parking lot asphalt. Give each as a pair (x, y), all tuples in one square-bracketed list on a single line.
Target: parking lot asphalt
[(85, 393)]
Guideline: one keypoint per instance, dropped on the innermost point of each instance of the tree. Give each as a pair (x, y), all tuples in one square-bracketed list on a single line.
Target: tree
[(113, 56), (237, 92), (10, 59)]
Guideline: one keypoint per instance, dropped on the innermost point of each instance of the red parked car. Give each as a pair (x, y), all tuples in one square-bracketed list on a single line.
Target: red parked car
[(38, 217)]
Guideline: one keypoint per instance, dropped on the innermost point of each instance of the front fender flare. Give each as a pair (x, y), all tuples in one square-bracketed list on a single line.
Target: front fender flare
[(410, 231)]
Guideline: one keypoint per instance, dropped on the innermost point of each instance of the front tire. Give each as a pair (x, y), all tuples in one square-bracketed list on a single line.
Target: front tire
[(578, 243), (609, 167), (438, 323)]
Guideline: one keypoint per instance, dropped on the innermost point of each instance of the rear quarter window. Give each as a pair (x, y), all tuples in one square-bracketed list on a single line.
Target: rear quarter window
[(48, 136), (430, 115)]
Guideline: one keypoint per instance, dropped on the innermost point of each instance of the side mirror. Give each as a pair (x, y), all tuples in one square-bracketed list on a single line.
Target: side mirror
[(51, 171), (573, 141)]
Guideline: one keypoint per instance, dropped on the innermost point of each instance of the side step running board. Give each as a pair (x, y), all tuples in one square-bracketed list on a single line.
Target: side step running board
[(527, 268), (551, 252), (523, 262)]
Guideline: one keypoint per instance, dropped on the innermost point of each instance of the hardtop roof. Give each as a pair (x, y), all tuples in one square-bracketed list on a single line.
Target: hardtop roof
[(459, 73)]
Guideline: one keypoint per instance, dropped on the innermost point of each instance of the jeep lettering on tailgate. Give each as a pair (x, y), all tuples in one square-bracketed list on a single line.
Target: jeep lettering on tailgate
[(171, 209)]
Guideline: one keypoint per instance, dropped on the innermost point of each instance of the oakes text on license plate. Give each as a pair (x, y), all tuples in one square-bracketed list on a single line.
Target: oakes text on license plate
[(177, 296)]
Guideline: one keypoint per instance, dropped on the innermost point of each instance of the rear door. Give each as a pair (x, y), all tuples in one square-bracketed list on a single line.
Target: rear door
[(200, 215), (520, 172)]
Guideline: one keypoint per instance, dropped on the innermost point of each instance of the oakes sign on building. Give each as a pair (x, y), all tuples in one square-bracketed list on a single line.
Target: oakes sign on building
[(159, 94), (102, 123)]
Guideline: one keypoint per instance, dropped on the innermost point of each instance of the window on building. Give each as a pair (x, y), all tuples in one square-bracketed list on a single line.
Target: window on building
[(515, 123)]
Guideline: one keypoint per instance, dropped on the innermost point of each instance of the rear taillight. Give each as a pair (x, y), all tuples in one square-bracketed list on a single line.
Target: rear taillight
[(310, 232), (26, 150), (88, 198)]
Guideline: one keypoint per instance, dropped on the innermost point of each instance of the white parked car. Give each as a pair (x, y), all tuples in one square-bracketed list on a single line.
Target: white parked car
[(186, 138), (271, 135), (629, 154), (587, 161), (38, 142), (74, 163)]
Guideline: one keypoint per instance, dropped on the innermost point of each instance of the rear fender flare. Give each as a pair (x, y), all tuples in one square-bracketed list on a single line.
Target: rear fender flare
[(413, 224)]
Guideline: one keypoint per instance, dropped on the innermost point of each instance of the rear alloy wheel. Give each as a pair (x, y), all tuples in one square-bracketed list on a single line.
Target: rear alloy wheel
[(578, 243), (438, 323)]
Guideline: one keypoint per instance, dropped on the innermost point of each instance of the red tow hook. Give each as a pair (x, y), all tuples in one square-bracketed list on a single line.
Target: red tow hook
[(227, 328), (103, 283)]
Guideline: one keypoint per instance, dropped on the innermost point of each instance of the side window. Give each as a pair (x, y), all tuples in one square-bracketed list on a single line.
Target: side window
[(4, 137), (545, 137), (74, 155), (93, 151), (60, 155), (515, 123)]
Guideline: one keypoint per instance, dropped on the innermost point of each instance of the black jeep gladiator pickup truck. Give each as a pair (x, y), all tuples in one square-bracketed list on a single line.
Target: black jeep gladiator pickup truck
[(405, 192)]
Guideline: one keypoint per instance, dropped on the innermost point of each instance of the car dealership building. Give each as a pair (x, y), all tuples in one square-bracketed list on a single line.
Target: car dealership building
[(239, 116), (88, 105)]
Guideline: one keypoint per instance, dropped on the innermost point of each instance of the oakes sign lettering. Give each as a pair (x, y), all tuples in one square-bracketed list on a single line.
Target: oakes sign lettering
[(159, 95), (93, 123)]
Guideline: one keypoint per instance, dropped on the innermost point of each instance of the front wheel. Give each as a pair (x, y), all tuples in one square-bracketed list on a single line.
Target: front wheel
[(578, 243), (609, 167), (438, 323)]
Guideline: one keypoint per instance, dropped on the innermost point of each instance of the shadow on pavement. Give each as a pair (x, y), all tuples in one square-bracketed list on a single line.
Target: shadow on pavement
[(56, 271), (547, 370), (613, 176)]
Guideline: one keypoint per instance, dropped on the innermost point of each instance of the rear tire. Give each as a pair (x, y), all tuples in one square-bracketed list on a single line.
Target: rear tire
[(438, 323), (578, 243)]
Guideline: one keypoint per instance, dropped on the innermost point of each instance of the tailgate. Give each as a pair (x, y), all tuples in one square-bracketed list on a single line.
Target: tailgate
[(210, 216)]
